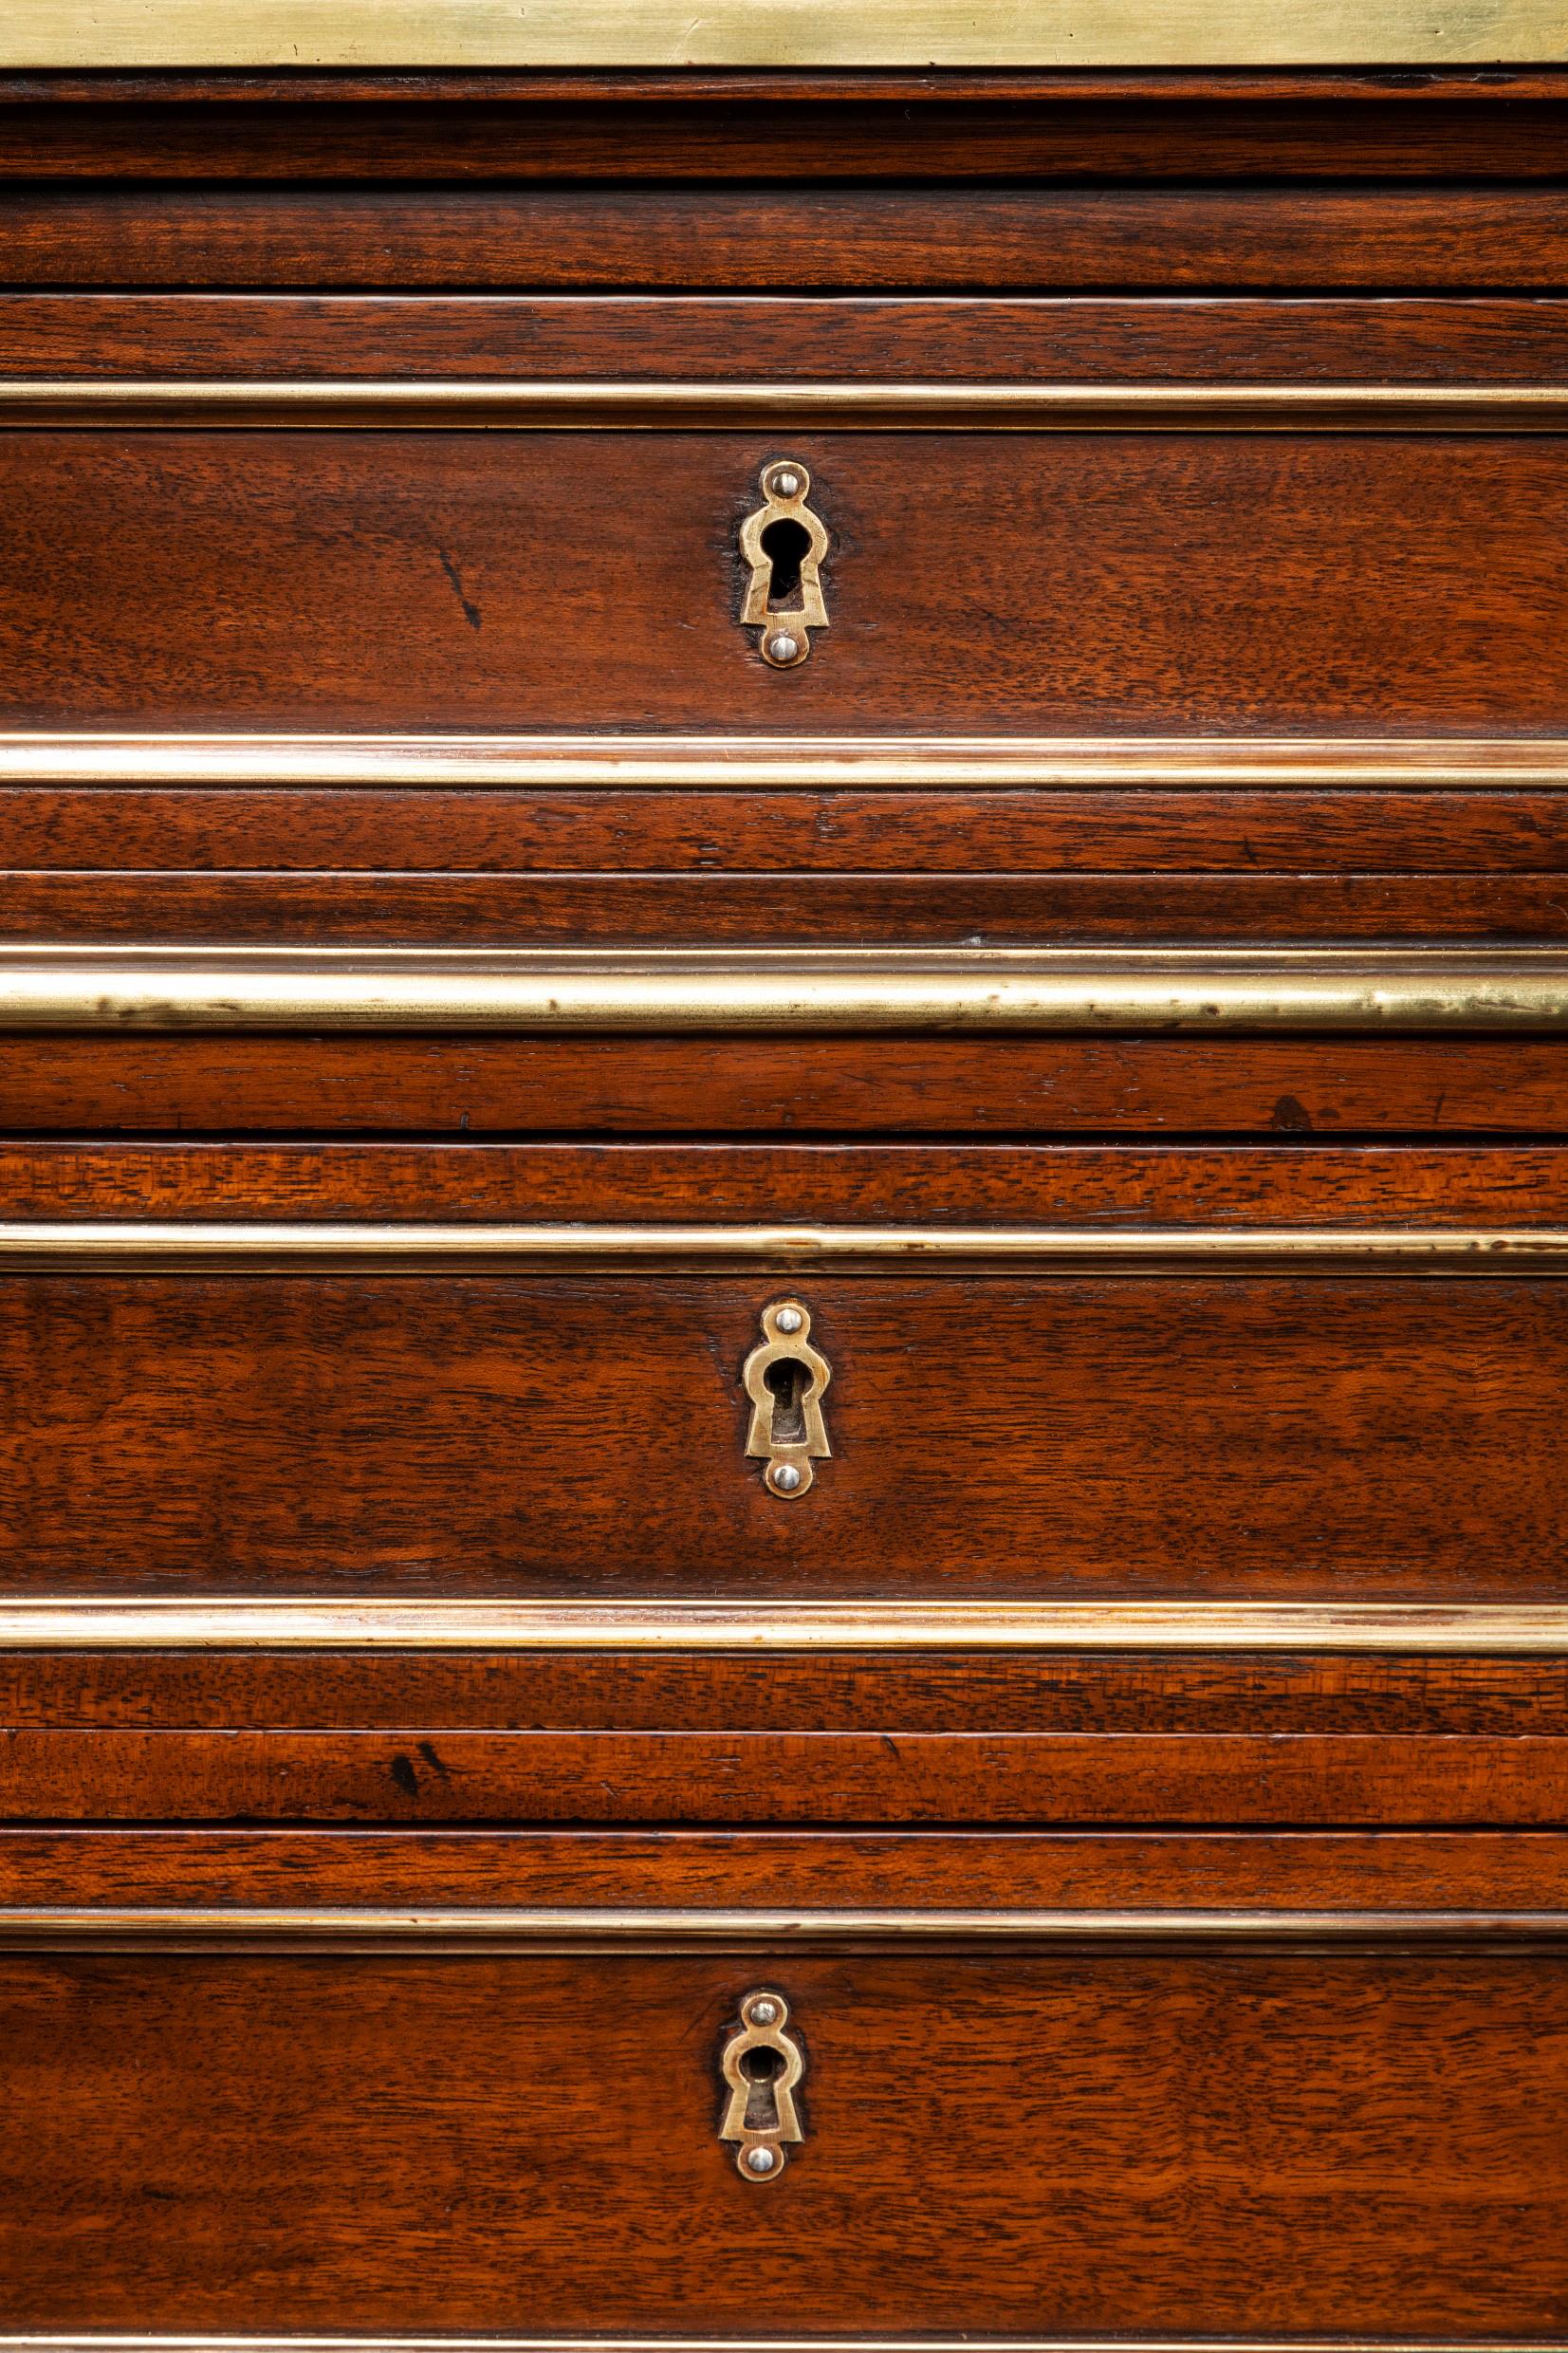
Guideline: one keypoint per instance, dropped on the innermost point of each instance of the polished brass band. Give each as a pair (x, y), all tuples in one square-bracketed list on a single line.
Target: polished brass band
[(780, 33), (788, 763), (740, 1628), (176, 1246), (474, 404), (195, 1928), (784, 989)]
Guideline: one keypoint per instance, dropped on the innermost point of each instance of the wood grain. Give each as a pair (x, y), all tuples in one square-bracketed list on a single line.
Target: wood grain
[(1076, 339), (871, 1776), (858, 239), (449, 580), (1060, 1870), (472, 1436), (1162, 2143)]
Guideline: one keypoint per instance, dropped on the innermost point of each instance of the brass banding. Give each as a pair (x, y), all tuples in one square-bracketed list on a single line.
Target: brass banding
[(787, 764), (780, 990), (195, 1928), (741, 1628), (471, 404), (918, 33)]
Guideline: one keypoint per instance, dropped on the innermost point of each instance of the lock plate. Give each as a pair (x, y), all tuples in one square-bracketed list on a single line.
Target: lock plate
[(784, 544), (763, 2065), (785, 1376)]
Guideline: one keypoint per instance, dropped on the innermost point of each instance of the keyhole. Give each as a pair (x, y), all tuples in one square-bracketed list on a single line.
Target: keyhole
[(786, 543), (762, 2067), (788, 1381)]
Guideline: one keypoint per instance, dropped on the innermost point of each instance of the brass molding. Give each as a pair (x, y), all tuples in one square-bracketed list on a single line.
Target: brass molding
[(788, 763), (193, 1928), (474, 404), (61, 1622), (53, 33), (176, 1246), (43, 33), (777, 989)]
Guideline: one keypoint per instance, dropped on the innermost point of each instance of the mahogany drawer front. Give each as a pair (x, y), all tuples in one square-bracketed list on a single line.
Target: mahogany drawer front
[(1161, 2138), (1320, 1436), (1064, 582)]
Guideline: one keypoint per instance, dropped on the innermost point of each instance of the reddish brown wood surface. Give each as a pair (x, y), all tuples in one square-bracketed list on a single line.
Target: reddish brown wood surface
[(1033, 1086), (897, 834), (501, 581), (1190, 1693), (419, 1435), (1077, 339), (1058, 2143), (858, 239), (782, 908), (741, 125), (952, 1183), (1480, 1871), (424, 1776)]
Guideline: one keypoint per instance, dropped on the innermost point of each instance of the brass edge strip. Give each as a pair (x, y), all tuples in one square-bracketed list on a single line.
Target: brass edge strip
[(191, 1928), (762, 991), (783, 764), (60, 1622), (179, 1247), (469, 405), (55, 33)]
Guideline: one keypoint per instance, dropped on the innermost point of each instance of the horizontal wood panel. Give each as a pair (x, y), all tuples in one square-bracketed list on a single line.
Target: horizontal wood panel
[(396, 2143), (1513, 238), (1084, 338), (778, 908), (1317, 1870), (429, 1775), (448, 580), (1242, 1085), (1189, 1692), (482, 1435), (497, 832), (1255, 1186), (749, 126)]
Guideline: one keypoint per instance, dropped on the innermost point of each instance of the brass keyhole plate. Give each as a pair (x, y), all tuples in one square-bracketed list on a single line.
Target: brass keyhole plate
[(785, 1379), (784, 538), (763, 2065)]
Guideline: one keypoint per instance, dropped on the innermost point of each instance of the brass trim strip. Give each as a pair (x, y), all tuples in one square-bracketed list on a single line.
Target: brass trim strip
[(471, 404), (252, 1247), (52, 33), (776, 990), (787, 764), (1413, 1629), (44, 33), (192, 1928)]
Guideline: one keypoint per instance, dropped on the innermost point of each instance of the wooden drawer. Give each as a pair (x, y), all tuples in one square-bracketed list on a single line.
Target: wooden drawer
[(1369, 563), (527, 1373), (1169, 2126)]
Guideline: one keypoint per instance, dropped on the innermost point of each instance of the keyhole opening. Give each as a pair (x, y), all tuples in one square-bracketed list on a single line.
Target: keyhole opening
[(787, 1381), (762, 2069), (786, 543)]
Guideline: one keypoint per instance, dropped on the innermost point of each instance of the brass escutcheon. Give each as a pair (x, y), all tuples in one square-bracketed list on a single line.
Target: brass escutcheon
[(762, 2065), (784, 1378), (784, 542)]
